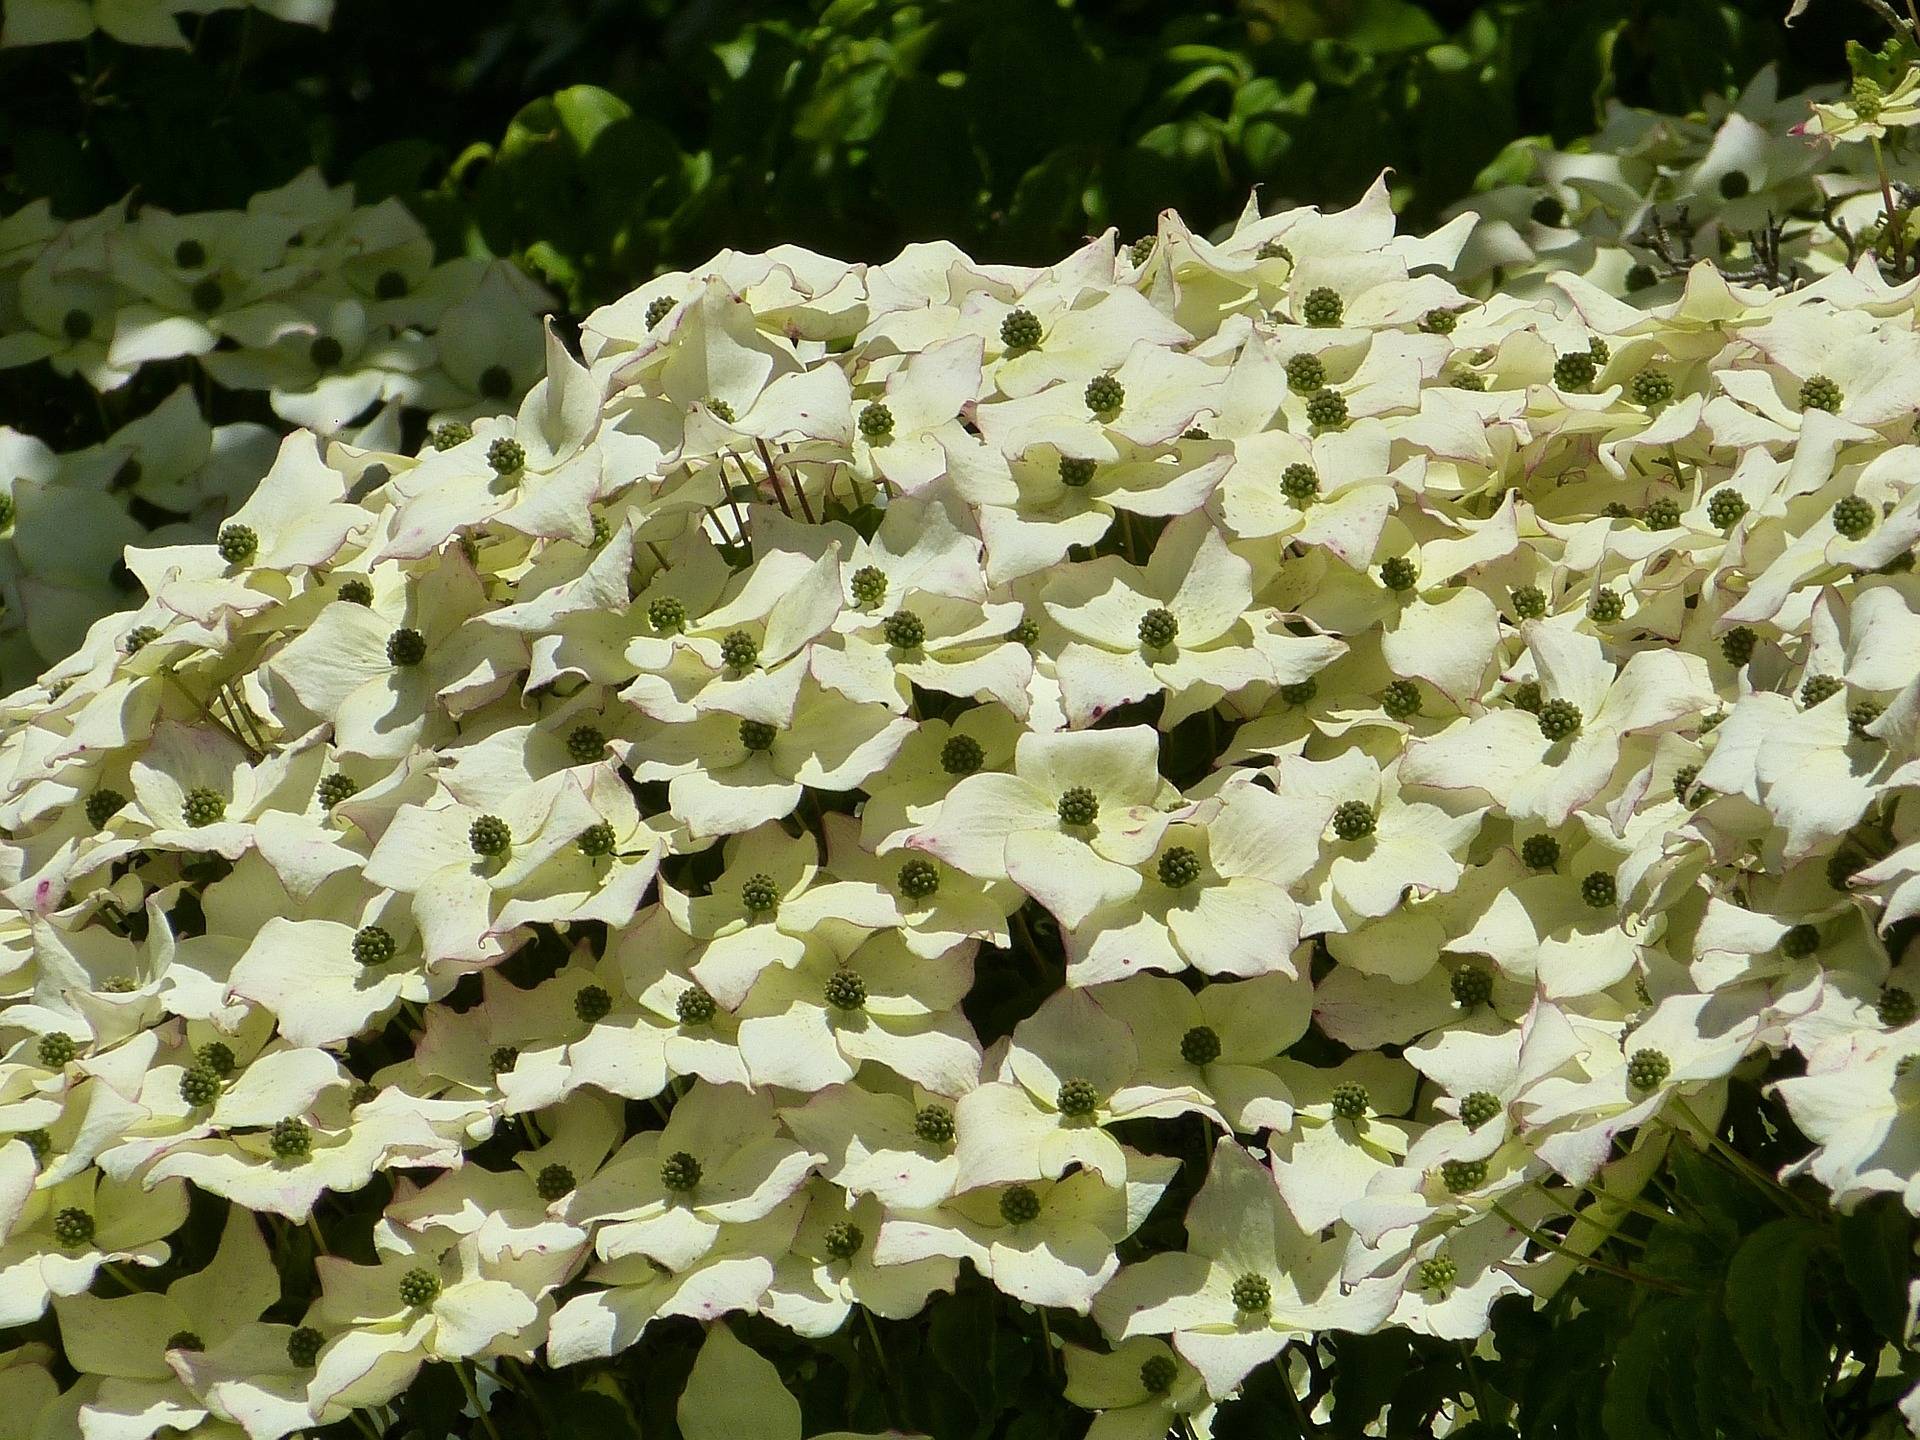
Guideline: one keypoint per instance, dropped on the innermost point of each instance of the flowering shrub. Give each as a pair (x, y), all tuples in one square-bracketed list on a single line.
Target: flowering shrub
[(335, 313), (1224, 797)]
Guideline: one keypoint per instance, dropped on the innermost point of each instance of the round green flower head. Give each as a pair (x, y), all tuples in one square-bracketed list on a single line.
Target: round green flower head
[(1200, 1045), (1327, 409), (447, 436), (602, 529), (496, 382), (1350, 1100), (506, 456), (1529, 602), (73, 1227), (679, 1172), (1647, 1068), (1179, 868), (919, 878), (1853, 517), (1662, 514), (1860, 715), (739, 650), (592, 1004), (1725, 507), (139, 638), (1300, 692), (1439, 1273), (1640, 277), (554, 1182), (695, 1006), (876, 421), (418, 1287), (119, 985), (759, 895), (406, 647), (1353, 820), (843, 1240), (1077, 1098), (503, 1058), (56, 1048), (1817, 392), (102, 805), (667, 615), (1306, 373), (1684, 780), (217, 1057), (586, 744), (1020, 330), (658, 309), (1549, 211), (1076, 472), (1026, 633), (869, 586), (1439, 322), (326, 352), (354, 591), (1574, 370), (335, 788), (1459, 1175), (490, 837), (1078, 806), (1840, 870), (1273, 250), (304, 1345), (1737, 644), (1398, 573), (1471, 986), (1159, 628), (1401, 700), (391, 285), (758, 735), (1867, 97), (77, 324), (1138, 252), (1468, 380), (1599, 350), (1323, 307), (1540, 852), (1299, 483), (1606, 605), (1650, 388), (1599, 890), (1478, 1108), (1559, 719), (364, 1093), (373, 945), (1734, 185), (845, 990), (1019, 1205), (6, 511), (238, 543), (934, 1124), (199, 1086), (208, 296), (904, 630), (720, 410), (1818, 688), (204, 806), (1252, 1294), (189, 254), (1800, 942), (291, 1139), (1157, 1374), (1896, 1006), (1528, 696), (961, 755), (1616, 510), (1105, 394)]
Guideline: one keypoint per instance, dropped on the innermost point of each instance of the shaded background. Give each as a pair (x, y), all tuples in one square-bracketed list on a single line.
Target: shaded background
[(601, 141)]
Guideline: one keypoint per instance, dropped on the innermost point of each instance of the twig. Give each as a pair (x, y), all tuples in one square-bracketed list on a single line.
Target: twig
[(473, 1398), (1541, 1238)]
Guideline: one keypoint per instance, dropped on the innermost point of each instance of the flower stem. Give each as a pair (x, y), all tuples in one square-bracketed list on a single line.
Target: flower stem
[(465, 1372), (1541, 1238)]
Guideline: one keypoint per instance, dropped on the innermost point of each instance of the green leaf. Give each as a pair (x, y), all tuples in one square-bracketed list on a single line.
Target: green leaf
[(1876, 1246), (1768, 1305)]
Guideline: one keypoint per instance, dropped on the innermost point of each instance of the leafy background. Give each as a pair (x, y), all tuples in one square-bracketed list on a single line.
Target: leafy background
[(601, 141)]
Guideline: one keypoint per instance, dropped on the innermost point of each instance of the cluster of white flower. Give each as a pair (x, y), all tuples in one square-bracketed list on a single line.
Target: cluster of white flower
[(137, 22), (1247, 640), (1632, 206), (336, 311)]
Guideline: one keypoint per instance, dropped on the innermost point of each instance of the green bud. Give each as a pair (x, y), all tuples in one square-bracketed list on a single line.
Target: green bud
[(507, 457), (291, 1139), (1105, 394), (453, 433), (1462, 1175), (758, 735), (1471, 986), (1599, 890), (490, 837), (204, 806), (218, 1057), (1529, 602), (904, 630), (876, 421), (934, 1124), (1353, 820), (1323, 307), (1650, 388), (1647, 1068), (102, 805), (418, 1287), (238, 544), (1820, 393), (406, 647), (1306, 374), (869, 586), (1350, 1100), (355, 591), (1075, 473), (1818, 688), (667, 615), (695, 1006), (1300, 692), (1252, 1295), (554, 1182), (73, 1227), (1020, 330), (335, 788), (1559, 719), (1077, 1098), (961, 755), (1800, 942), (1401, 700), (1200, 1045), (843, 1240), (658, 309), (1478, 1108), (1327, 409), (1725, 508), (496, 382), (503, 1059), (919, 878), (1078, 806), (373, 945), (1574, 371), (1179, 867), (199, 1086), (1860, 715), (845, 990), (1663, 514), (739, 650), (1853, 517), (56, 1048), (1398, 573), (1019, 1205), (1299, 483), (1158, 628), (304, 1346), (1896, 1006), (598, 841), (759, 895), (1540, 852)]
